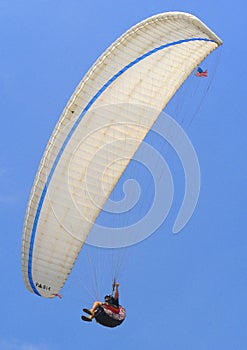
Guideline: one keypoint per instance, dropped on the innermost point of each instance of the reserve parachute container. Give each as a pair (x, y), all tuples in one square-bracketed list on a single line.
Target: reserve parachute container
[(78, 171)]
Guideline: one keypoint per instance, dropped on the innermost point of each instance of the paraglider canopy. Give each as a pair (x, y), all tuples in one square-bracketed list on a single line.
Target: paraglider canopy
[(78, 171)]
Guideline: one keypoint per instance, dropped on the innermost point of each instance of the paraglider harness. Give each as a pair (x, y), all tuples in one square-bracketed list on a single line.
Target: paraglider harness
[(110, 313), (108, 318)]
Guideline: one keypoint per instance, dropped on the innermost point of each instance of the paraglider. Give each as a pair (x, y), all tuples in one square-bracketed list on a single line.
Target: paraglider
[(108, 313), (144, 67)]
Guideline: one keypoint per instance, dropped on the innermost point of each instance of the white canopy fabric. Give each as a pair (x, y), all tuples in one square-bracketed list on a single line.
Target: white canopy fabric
[(98, 133)]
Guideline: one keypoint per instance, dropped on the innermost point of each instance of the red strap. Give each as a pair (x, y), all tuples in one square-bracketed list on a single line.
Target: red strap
[(115, 310), (58, 295)]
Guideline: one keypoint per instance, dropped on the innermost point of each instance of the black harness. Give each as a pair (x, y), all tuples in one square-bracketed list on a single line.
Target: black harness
[(104, 319)]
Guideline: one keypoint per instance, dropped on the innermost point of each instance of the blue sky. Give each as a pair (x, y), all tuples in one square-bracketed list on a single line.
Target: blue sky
[(185, 291)]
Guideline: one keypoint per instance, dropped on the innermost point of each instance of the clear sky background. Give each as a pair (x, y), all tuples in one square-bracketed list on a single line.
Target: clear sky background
[(183, 292)]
